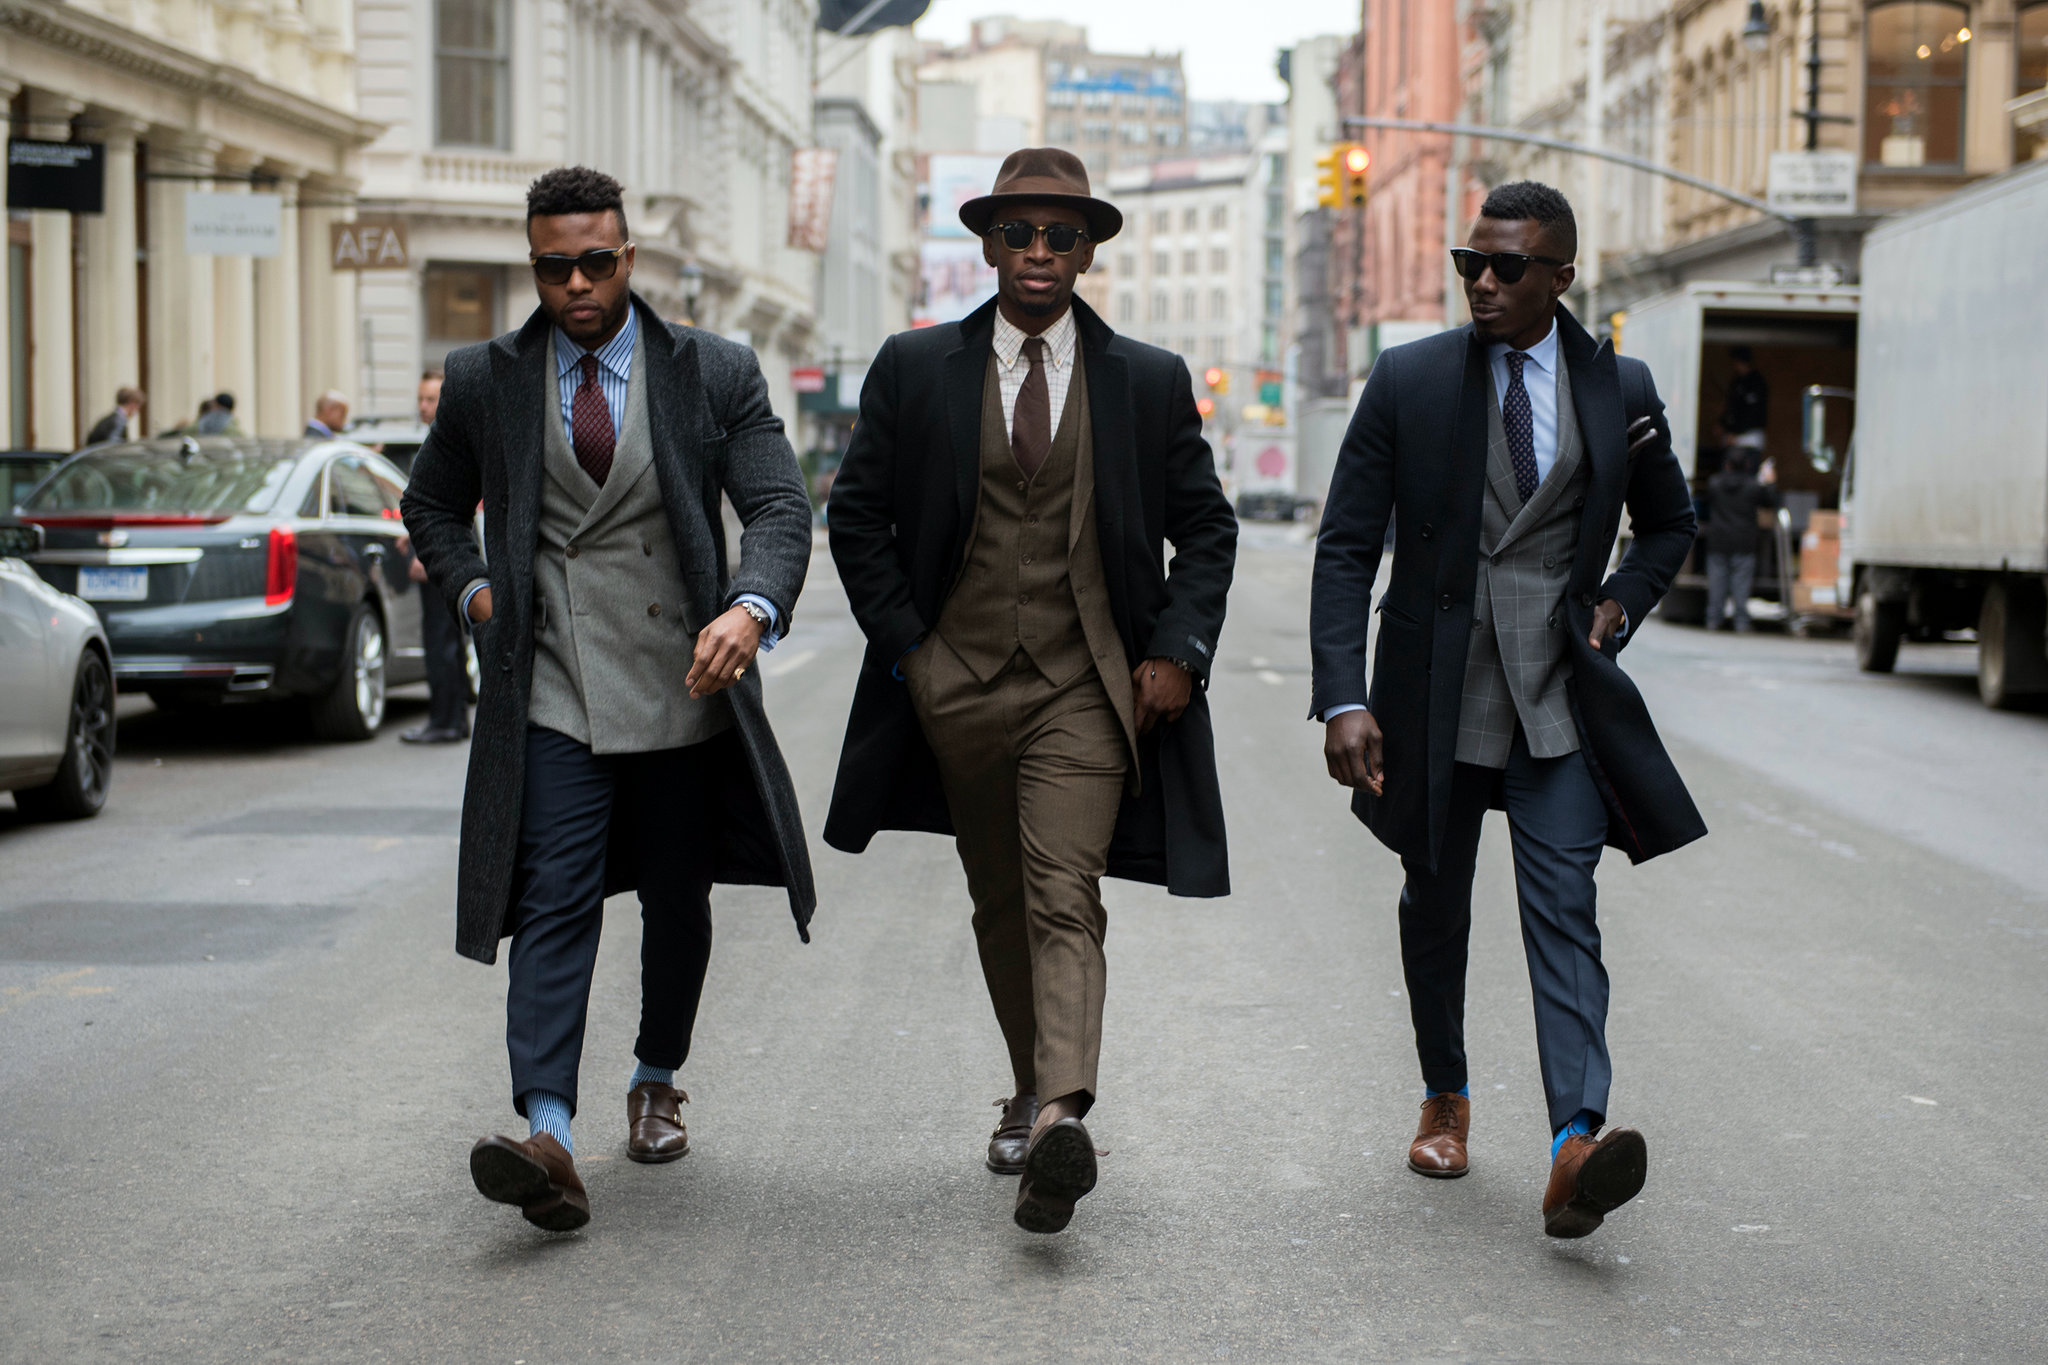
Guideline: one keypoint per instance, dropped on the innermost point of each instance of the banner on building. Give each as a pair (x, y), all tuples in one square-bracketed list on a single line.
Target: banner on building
[(955, 282), (954, 180), (811, 171), (367, 244), (67, 176), (219, 224)]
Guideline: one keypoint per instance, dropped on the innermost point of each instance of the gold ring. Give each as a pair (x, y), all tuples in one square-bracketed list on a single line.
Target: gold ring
[(740, 672)]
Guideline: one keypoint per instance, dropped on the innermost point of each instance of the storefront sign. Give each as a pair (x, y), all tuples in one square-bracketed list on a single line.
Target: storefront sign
[(69, 176), (233, 224), (1812, 184), (367, 245)]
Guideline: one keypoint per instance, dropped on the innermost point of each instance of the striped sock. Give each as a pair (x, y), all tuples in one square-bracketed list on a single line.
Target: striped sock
[(1582, 1122), (549, 1113), (1465, 1090), (661, 1075)]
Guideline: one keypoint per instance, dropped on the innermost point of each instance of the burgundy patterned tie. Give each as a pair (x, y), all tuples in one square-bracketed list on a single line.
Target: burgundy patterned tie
[(590, 422), (1031, 419)]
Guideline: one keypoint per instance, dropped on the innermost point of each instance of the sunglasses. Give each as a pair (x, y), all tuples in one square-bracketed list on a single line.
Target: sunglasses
[(1060, 238), (1508, 266), (595, 265)]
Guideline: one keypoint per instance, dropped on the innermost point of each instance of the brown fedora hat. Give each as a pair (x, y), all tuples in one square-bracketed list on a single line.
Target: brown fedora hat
[(1043, 175)]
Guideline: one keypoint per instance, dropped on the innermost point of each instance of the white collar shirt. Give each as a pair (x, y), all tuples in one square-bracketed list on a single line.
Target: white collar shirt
[(1539, 377), (1012, 365)]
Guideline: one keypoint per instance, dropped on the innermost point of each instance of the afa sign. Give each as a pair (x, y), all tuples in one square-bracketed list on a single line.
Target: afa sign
[(367, 245)]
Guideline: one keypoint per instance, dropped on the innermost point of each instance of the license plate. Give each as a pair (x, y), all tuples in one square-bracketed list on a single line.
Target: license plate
[(114, 585)]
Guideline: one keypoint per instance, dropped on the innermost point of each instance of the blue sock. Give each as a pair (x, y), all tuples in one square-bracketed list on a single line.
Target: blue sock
[(662, 1075), (1465, 1090), (1585, 1121), (548, 1113)]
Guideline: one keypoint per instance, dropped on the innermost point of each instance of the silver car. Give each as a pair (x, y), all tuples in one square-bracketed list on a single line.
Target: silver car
[(56, 692)]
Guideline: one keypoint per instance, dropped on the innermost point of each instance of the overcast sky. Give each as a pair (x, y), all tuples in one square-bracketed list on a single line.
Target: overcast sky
[(1227, 46)]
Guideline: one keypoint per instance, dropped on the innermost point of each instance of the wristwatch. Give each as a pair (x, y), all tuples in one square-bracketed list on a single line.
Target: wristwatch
[(755, 610)]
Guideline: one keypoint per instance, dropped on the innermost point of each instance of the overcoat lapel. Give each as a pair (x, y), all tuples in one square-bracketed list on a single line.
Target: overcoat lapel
[(678, 425), (1596, 401), (1116, 449), (519, 369), (966, 372)]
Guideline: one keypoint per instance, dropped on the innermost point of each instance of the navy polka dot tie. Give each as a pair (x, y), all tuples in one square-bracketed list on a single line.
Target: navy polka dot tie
[(1521, 427)]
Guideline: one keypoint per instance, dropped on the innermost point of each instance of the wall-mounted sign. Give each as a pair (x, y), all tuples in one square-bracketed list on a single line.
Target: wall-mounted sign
[(233, 224), (1812, 184), (811, 172), (70, 176), (367, 244)]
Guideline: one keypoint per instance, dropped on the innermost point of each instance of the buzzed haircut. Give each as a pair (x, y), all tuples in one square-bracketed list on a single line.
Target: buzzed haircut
[(1531, 199), (576, 189)]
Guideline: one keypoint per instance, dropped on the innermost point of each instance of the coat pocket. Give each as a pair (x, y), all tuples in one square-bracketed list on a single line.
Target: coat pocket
[(1394, 614)]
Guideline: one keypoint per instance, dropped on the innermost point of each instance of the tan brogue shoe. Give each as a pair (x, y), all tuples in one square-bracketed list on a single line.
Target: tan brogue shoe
[(1012, 1135), (1439, 1147), (537, 1175), (1591, 1178), (654, 1123)]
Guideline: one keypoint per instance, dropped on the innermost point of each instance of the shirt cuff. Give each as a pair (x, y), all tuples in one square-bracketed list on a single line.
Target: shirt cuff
[(896, 669), (1340, 709), (471, 591), (1622, 633), (771, 636)]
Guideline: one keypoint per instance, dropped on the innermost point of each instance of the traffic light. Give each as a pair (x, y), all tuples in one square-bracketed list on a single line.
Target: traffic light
[(1328, 195), (1356, 188), (1217, 378)]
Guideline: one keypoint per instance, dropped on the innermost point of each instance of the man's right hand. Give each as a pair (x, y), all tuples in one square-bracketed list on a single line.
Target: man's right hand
[(1352, 748), (480, 606)]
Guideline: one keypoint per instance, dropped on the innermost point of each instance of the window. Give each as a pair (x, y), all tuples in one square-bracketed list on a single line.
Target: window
[(1219, 217), (472, 73), (1219, 305), (1127, 264), (461, 304), (351, 492), (1162, 262), (1190, 262), (1190, 307), (1218, 351), (1913, 89), (1162, 221), (1190, 219), (1162, 307), (2030, 36), (1219, 259), (1166, 134), (1127, 307)]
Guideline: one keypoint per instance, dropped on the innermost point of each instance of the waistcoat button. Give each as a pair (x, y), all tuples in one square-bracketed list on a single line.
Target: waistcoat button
[(1024, 600), (654, 608), (1022, 485), (1445, 602), (1027, 559)]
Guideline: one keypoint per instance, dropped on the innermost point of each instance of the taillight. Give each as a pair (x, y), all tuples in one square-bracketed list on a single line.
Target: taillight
[(282, 572)]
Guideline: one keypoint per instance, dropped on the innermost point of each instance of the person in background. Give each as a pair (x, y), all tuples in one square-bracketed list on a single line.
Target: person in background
[(1734, 496), (221, 420), (124, 423), (440, 632), (191, 428), (1746, 410), (330, 415)]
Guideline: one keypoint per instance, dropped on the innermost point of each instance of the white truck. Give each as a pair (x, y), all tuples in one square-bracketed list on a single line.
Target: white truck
[(1798, 337), (1945, 500)]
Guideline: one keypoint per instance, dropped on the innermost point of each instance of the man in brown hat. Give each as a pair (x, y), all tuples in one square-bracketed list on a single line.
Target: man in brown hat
[(1034, 674)]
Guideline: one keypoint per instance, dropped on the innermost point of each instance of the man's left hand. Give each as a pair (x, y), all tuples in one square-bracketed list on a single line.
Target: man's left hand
[(725, 648), (1607, 618), (1162, 689)]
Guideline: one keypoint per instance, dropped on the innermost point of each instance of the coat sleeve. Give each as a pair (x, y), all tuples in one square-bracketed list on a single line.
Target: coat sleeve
[(861, 518), (1354, 532), (1659, 508), (766, 486), (443, 490), (1203, 530)]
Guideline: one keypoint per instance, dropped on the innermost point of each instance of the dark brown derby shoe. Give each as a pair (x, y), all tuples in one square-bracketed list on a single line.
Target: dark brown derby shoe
[(536, 1174), (654, 1123), (1012, 1135), (1590, 1179), (1439, 1147), (1059, 1168)]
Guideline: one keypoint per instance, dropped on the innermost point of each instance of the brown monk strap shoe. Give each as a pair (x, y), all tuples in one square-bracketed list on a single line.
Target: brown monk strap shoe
[(1439, 1147), (1012, 1135), (1059, 1167), (1591, 1178), (654, 1123), (536, 1174)]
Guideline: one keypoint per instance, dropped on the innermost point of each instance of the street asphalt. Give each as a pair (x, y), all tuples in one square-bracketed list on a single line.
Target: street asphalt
[(242, 1067)]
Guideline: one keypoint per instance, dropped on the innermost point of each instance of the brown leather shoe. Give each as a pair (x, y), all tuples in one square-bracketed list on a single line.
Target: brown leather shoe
[(654, 1123), (1059, 1168), (1012, 1135), (1439, 1147), (537, 1175), (1592, 1178)]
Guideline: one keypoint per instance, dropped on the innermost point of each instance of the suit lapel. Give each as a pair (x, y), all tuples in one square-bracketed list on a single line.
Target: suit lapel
[(1500, 464), (1570, 451)]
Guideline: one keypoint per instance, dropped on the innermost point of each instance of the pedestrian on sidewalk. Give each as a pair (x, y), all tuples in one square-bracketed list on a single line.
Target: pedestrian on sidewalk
[(441, 630), (1034, 676), (621, 742), (124, 423), (1734, 497), (1510, 448)]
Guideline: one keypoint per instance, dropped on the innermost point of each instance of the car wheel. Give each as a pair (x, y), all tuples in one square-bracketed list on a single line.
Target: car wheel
[(354, 707), (80, 787)]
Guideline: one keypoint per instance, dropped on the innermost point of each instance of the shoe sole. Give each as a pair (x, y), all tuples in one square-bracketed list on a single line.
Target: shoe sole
[(1613, 1175), (508, 1176), (1057, 1172), (1439, 1174), (657, 1158)]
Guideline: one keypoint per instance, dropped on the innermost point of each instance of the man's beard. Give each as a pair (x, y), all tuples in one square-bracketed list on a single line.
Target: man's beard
[(1046, 309), (607, 324)]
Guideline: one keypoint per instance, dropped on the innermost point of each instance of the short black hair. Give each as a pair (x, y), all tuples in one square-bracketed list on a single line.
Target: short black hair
[(1532, 199), (576, 189), (224, 400)]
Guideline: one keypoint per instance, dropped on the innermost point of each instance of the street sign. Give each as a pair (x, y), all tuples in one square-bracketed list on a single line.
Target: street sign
[(70, 176), (367, 244), (233, 224), (1811, 276), (807, 378), (1812, 184)]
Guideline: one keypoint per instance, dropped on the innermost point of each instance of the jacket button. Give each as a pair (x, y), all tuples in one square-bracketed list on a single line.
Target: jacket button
[(1031, 520), (645, 548), (654, 608), (1024, 600), (1444, 602), (505, 666), (1550, 561), (1578, 502), (1476, 623), (1553, 623), (1585, 599), (571, 552), (1427, 530)]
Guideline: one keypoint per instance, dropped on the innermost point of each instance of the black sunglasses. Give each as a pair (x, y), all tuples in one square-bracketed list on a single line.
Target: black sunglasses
[(595, 265), (1508, 266), (1060, 238)]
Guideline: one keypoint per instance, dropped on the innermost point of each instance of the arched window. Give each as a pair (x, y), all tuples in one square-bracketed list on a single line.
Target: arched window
[(2031, 38), (1915, 55)]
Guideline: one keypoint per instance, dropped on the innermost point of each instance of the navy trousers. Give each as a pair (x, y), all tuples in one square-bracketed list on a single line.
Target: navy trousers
[(573, 799), (1558, 825)]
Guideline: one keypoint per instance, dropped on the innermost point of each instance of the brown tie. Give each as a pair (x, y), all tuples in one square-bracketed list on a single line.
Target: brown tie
[(1031, 423), (590, 421)]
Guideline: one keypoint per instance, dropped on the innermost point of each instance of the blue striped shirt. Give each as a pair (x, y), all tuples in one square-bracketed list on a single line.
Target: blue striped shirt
[(614, 372)]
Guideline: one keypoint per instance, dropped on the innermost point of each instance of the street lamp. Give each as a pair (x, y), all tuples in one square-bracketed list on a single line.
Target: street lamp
[(1756, 30)]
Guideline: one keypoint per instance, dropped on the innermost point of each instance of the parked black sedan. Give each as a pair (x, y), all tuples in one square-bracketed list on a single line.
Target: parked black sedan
[(235, 569)]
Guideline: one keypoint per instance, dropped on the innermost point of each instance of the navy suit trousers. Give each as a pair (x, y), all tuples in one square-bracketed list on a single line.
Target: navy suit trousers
[(1558, 825), (665, 802)]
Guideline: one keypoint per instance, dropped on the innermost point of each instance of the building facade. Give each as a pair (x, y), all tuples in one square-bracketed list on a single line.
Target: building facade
[(186, 101)]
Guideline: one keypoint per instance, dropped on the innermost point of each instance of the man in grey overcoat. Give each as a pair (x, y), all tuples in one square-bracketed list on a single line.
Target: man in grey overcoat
[(620, 740)]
